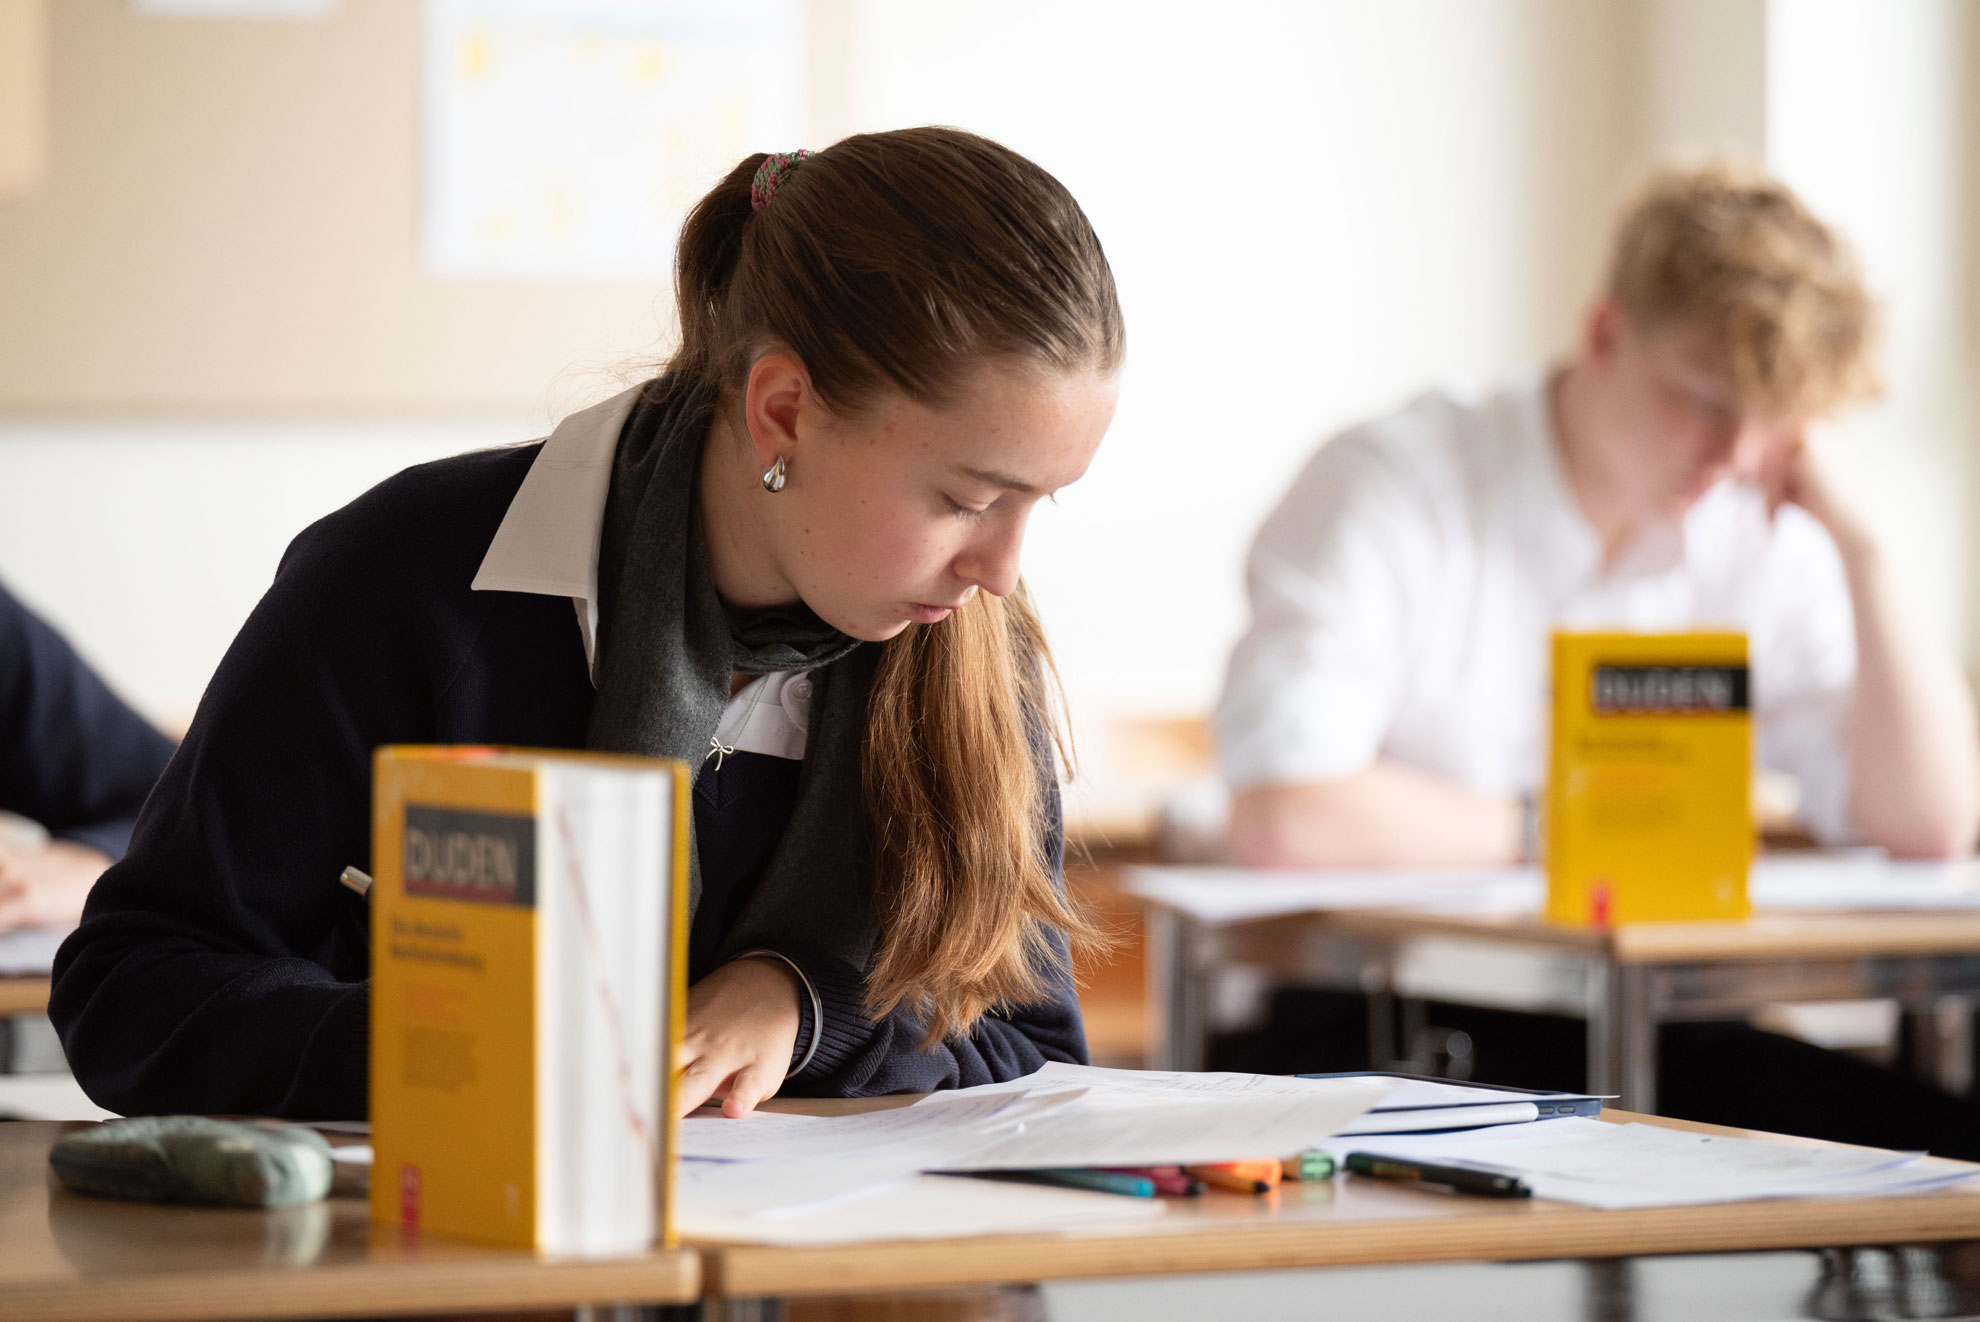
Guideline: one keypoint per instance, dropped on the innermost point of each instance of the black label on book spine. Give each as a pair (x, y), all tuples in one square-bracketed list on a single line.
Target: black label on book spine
[(1669, 690), (481, 857)]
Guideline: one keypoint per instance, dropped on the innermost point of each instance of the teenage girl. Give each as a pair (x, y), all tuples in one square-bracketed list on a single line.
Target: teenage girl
[(791, 559)]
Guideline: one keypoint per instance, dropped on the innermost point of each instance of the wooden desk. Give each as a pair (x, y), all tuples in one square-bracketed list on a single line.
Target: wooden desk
[(1344, 1222), (75, 1259), (1624, 981), (23, 996)]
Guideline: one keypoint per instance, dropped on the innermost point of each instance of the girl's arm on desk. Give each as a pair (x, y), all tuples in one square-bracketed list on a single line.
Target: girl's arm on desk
[(221, 967)]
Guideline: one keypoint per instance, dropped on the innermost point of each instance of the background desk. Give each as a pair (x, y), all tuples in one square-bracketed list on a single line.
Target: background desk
[(1345, 1222), (20, 995), (82, 1259), (1625, 981)]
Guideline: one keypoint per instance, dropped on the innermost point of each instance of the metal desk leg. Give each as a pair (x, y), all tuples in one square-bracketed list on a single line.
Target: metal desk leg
[(1937, 1043), (1604, 1068), (1637, 1029), (1179, 991)]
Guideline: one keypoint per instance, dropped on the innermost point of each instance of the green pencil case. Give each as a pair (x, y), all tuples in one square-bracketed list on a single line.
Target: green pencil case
[(192, 1159)]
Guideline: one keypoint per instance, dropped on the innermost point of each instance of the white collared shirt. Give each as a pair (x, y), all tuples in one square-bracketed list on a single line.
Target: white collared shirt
[(1404, 590), (548, 544)]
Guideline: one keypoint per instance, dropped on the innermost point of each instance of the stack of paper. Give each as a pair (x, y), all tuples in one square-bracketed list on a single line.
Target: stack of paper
[(1638, 1165), (812, 1179)]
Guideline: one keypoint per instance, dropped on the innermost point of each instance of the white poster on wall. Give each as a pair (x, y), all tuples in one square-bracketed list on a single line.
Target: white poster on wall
[(565, 140)]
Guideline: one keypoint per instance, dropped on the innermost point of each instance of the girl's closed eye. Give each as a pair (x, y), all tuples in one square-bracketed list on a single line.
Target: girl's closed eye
[(965, 511)]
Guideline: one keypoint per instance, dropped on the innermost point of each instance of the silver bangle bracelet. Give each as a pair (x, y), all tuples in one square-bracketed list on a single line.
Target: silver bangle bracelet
[(817, 1008)]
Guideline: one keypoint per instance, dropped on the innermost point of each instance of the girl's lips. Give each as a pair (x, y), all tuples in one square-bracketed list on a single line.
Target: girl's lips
[(921, 613)]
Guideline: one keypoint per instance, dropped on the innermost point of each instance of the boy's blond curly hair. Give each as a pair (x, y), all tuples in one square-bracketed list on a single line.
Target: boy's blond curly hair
[(1737, 253)]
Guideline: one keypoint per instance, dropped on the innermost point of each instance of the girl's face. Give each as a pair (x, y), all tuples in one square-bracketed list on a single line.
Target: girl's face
[(901, 512)]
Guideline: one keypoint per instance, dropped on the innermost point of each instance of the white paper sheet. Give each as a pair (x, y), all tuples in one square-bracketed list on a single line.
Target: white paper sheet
[(30, 951), (1039, 1121), (1856, 879), (1862, 879), (1411, 1104), (1236, 895), (944, 1127), (1604, 1165), (1222, 1121), (779, 1188), (47, 1097), (926, 1207)]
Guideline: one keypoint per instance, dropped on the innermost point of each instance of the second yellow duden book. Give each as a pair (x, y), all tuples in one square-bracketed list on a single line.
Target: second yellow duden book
[(1649, 810), (527, 956)]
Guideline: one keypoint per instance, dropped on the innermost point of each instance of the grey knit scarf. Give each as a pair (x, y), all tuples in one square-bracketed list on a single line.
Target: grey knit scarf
[(667, 645)]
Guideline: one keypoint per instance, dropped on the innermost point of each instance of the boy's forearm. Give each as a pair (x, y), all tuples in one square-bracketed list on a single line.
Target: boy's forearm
[(1386, 815)]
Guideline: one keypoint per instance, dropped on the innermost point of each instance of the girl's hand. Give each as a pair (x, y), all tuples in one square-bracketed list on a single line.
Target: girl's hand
[(742, 1023), (45, 885)]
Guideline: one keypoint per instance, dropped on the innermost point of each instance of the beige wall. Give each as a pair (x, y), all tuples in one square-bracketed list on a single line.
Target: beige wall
[(23, 95), (212, 327), (228, 225)]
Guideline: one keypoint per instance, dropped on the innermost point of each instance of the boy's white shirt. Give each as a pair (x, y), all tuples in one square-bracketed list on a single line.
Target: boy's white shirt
[(1403, 592)]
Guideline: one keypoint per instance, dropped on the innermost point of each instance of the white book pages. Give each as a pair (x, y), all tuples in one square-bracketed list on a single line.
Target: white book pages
[(925, 1207), (602, 949)]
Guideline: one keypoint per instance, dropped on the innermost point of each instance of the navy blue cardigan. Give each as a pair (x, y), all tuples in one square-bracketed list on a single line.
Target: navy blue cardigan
[(221, 968), (72, 756)]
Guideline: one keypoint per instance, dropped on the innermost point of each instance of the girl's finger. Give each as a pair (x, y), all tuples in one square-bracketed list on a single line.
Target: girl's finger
[(699, 1079), (752, 1084)]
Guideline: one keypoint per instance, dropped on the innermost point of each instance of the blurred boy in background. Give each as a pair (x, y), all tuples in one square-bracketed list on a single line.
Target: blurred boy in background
[(1388, 704)]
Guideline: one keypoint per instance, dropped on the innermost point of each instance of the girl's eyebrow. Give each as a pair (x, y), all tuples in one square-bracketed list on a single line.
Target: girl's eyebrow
[(1003, 480)]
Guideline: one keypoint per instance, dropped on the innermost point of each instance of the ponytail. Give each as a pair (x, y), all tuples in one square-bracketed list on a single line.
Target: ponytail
[(705, 261), (898, 261)]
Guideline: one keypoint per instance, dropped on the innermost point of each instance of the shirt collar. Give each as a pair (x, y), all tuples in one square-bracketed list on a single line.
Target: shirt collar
[(548, 541), (1552, 522)]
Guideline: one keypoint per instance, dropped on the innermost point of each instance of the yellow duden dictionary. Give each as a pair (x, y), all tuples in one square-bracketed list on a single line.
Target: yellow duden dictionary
[(1649, 810), (528, 948)]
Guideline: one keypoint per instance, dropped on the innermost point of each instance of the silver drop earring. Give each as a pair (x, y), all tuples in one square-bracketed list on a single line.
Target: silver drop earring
[(773, 478)]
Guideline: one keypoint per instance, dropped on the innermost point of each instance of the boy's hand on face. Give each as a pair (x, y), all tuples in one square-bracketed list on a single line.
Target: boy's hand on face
[(1793, 473), (742, 1023)]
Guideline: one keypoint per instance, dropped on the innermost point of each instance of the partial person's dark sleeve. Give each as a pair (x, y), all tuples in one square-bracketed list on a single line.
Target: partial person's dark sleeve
[(73, 756), (221, 967), (859, 1056)]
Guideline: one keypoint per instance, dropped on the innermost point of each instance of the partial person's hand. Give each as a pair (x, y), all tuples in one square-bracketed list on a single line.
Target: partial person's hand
[(1793, 474), (44, 885), (742, 1024)]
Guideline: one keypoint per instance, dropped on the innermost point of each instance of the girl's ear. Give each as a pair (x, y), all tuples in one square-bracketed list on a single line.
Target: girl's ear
[(776, 395)]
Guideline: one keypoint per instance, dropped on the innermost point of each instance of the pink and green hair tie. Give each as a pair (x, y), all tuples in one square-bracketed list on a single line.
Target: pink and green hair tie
[(775, 166)]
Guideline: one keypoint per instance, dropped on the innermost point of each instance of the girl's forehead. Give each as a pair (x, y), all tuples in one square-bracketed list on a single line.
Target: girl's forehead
[(1018, 429)]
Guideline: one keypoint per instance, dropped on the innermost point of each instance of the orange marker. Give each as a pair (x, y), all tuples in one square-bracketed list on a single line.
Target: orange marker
[(1241, 1176)]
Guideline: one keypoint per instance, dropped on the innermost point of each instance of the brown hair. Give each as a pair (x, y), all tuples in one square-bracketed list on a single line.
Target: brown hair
[(897, 261), (1739, 254)]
